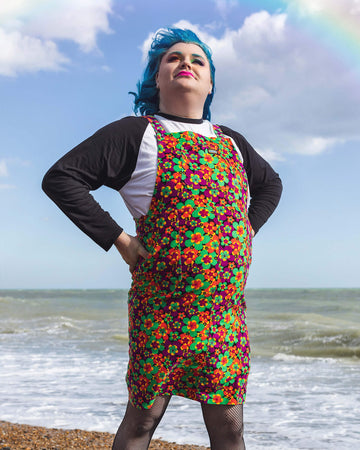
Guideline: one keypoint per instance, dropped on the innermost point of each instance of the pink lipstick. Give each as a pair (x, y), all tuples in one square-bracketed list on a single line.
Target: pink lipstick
[(184, 73)]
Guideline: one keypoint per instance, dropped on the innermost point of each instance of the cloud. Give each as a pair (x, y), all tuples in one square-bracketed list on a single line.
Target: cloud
[(224, 6), (145, 47), (4, 173), (280, 88), (4, 187), (335, 7), (31, 30), (3, 168), (20, 53)]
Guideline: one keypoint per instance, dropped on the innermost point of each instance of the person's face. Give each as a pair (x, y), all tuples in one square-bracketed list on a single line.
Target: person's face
[(184, 68)]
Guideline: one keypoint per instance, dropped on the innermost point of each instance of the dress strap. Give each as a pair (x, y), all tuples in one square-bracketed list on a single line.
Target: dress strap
[(218, 132), (159, 129)]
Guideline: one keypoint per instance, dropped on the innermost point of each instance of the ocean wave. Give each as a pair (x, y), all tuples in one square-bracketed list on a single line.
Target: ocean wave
[(296, 358), (305, 334), (121, 337), (329, 352)]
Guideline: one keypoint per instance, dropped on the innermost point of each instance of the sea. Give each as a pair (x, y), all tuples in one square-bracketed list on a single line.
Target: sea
[(64, 356)]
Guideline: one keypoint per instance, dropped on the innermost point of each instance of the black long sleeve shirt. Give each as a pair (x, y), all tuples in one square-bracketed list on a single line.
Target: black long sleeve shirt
[(109, 158)]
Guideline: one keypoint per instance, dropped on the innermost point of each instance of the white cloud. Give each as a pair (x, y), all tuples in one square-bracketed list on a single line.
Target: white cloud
[(270, 155), (335, 7), (314, 145), (20, 53), (224, 6), (78, 21), (4, 173), (31, 29), (146, 45), (3, 168), (280, 88), (4, 187)]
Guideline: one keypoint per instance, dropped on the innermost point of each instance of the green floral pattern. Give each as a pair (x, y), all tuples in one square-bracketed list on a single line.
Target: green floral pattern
[(187, 321)]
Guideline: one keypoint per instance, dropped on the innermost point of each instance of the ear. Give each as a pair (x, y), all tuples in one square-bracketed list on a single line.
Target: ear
[(211, 88), (157, 80)]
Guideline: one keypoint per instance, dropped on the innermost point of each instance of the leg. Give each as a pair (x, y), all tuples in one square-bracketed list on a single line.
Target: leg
[(225, 426), (138, 425)]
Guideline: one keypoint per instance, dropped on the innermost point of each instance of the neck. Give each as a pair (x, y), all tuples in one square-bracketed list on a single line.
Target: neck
[(182, 107)]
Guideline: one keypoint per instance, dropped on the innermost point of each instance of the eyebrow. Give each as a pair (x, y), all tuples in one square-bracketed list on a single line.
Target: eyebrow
[(180, 53)]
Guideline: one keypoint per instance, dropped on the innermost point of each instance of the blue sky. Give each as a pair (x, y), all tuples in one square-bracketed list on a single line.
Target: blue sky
[(284, 80)]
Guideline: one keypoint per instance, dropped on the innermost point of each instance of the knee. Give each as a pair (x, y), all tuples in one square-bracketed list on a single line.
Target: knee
[(227, 434), (233, 430), (143, 426)]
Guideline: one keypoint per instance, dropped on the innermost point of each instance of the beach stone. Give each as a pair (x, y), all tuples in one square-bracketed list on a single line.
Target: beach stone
[(26, 437)]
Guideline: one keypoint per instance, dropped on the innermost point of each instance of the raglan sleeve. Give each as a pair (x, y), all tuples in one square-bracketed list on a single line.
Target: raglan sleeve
[(264, 183), (107, 158)]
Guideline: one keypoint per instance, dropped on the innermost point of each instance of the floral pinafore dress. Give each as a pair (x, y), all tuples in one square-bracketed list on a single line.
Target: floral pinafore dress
[(187, 324)]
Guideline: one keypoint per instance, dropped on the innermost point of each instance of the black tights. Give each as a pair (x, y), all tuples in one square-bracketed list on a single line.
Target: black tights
[(138, 425), (223, 423)]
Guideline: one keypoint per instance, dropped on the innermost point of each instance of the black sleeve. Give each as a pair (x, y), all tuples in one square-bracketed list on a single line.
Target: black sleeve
[(264, 183), (107, 158)]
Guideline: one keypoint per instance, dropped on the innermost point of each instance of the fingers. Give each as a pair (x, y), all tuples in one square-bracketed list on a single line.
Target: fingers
[(130, 249), (132, 267), (140, 252), (143, 252)]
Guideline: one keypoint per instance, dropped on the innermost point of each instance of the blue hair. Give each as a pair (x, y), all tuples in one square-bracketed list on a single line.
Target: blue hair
[(147, 96)]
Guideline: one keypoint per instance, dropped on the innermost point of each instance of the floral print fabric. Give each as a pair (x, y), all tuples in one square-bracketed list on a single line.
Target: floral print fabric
[(187, 323)]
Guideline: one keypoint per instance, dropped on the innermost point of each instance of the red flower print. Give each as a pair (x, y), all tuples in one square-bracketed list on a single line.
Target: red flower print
[(186, 211), (143, 382), (203, 335), (227, 318), (160, 333), (185, 339), (209, 228), (148, 323), (202, 302), (196, 238), (142, 338), (185, 242), (172, 216), (204, 213), (201, 201), (212, 145), (208, 158), (196, 284), (189, 255), (239, 276), (169, 141), (174, 254), (207, 259), (192, 325), (217, 398), (148, 368), (206, 173)]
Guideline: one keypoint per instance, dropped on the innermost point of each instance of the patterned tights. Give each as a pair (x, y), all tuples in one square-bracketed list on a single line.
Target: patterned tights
[(225, 426), (138, 425), (223, 423)]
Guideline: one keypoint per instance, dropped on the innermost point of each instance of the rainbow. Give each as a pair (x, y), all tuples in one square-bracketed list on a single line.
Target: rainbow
[(336, 24), (333, 23)]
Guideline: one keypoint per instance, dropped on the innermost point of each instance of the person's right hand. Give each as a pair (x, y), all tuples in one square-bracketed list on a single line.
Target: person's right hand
[(130, 248)]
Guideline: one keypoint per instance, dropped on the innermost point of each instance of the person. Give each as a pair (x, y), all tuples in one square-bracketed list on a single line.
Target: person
[(198, 193)]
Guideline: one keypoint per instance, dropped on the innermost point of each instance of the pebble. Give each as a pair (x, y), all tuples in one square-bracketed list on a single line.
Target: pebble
[(27, 437)]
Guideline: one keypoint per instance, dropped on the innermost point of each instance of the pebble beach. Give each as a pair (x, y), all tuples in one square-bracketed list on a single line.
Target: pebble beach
[(26, 437)]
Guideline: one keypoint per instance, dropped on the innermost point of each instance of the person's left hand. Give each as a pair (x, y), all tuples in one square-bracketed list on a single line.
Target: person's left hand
[(130, 248)]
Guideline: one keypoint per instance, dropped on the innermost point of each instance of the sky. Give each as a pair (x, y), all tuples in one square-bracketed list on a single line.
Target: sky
[(287, 78)]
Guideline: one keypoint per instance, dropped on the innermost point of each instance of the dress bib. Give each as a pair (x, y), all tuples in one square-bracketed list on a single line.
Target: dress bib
[(187, 320)]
